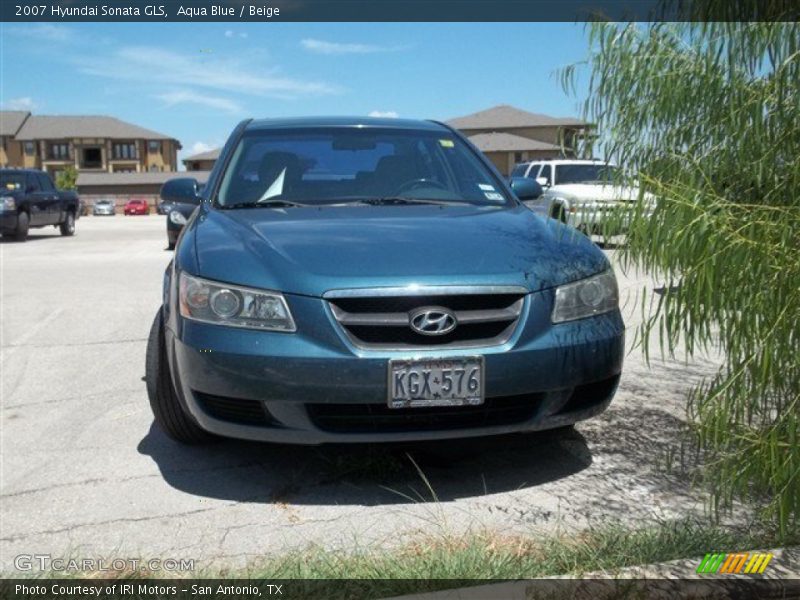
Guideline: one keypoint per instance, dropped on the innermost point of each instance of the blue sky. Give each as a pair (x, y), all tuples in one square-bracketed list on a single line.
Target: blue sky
[(195, 81)]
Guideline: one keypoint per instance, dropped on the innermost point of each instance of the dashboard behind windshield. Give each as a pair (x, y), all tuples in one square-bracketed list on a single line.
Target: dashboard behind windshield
[(327, 166)]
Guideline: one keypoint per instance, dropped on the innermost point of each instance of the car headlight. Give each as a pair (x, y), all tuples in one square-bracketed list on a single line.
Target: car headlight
[(233, 305), (8, 203), (592, 296), (177, 218)]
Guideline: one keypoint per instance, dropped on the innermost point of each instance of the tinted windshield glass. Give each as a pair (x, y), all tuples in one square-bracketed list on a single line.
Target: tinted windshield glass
[(12, 181), (585, 173), (326, 166)]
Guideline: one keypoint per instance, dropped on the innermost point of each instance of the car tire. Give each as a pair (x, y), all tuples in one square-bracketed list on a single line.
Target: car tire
[(170, 245), (23, 225), (68, 226), (169, 415)]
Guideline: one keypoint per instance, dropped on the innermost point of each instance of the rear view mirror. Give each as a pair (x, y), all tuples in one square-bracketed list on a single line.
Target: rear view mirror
[(542, 181), (525, 188), (184, 190)]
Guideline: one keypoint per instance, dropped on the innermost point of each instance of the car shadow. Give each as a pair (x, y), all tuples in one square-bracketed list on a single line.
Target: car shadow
[(367, 475), (32, 237)]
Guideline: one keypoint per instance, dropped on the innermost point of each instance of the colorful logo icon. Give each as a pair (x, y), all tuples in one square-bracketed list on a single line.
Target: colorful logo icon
[(738, 562)]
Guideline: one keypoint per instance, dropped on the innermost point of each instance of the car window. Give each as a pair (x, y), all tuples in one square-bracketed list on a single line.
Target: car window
[(585, 173), (33, 183), (546, 172), (330, 165), (44, 183), (12, 181), (519, 170)]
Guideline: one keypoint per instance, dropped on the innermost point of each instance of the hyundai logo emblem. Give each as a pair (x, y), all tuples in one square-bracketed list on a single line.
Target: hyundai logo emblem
[(433, 320)]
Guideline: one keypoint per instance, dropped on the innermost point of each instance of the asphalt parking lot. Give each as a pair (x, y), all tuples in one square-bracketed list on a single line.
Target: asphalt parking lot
[(85, 473)]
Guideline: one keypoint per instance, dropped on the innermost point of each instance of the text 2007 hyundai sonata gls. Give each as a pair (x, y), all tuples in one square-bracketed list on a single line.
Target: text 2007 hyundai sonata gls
[(353, 280)]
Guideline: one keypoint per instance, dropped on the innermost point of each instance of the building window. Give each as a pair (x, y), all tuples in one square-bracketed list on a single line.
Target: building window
[(91, 158), (58, 151), (29, 148), (124, 151), (154, 147)]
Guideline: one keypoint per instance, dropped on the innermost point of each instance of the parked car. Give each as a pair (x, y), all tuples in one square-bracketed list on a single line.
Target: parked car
[(362, 280), (183, 197), (583, 193), (104, 206), (136, 206), (29, 199)]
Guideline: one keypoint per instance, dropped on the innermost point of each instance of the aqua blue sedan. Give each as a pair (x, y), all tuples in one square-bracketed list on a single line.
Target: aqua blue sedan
[(363, 280)]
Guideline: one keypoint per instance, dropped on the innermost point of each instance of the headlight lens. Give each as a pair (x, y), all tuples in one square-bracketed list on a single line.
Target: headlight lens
[(8, 203), (177, 218), (233, 305), (592, 296)]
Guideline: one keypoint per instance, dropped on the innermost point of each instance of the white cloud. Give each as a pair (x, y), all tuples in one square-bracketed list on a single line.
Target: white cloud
[(44, 31), (323, 47), (148, 65), (25, 103), (387, 114), (199, 147), (230, 34), (192, 97)]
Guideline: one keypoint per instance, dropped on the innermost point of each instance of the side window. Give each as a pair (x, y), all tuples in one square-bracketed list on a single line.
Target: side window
[(45, 184), (519, 170), (546, 174), (534, 170), (33, 183)]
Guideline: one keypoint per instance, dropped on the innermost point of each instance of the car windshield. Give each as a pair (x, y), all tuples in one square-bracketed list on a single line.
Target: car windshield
[(585, 173), (352, 165), (12, 181)]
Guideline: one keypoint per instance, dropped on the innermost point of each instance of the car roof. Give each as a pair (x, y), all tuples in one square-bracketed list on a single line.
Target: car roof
[(569, 161), (16, 170), (356, 122)]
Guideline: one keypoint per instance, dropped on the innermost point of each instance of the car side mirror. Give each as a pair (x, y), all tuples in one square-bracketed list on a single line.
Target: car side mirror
[(525, 188), (184, 190), (542, 181)]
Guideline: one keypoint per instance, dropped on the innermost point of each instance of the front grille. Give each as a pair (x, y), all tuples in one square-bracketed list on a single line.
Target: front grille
[(234, 410), (383, 321), (379, 418)]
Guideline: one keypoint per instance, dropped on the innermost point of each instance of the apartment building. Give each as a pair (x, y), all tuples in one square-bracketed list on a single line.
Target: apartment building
[(92, 144), (508, 135)]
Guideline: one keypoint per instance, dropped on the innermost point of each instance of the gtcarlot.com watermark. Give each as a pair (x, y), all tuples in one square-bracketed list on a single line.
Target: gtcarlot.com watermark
[(46, 562)]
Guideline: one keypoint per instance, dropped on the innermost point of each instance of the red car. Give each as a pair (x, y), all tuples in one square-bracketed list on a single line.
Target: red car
[(137, 206)]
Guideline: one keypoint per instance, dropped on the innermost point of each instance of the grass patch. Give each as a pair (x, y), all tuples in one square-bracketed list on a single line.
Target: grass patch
[(491, 556)]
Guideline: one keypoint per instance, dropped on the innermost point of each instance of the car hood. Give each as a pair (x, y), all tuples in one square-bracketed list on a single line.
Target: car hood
[(311, 251), (594, 191)]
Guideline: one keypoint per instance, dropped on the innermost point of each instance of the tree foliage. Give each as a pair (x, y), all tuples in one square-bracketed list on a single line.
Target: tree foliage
[(706, 116), (67, 179)]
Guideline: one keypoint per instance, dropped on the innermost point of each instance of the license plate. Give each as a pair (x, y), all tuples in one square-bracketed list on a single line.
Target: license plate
[(436, 382)]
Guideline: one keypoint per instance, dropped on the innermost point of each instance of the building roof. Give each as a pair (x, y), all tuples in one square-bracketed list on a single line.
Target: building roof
[(508, 142), (44, 127), (506, 117), (12, 120), (143, 178), (207, 155)]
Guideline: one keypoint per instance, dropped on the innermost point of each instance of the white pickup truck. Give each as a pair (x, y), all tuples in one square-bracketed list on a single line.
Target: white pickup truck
[(580, 193)]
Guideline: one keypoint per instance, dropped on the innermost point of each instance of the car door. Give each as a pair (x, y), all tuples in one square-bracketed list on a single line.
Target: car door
[(37, 200), (52, 199)]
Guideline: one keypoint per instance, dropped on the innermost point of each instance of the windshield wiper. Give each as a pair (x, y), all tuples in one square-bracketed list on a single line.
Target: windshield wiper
[(264, 204), (397, 200)]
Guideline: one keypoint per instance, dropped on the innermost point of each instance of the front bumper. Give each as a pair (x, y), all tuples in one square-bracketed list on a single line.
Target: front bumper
[(313, 386), (8, 221)]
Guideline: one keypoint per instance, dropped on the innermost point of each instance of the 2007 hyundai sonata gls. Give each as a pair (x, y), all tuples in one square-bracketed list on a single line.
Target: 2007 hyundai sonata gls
[(353, 280)]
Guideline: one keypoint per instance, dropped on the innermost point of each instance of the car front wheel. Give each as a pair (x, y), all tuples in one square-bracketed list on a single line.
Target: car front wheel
[(23, 224), (167, 410), (68, 226)]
